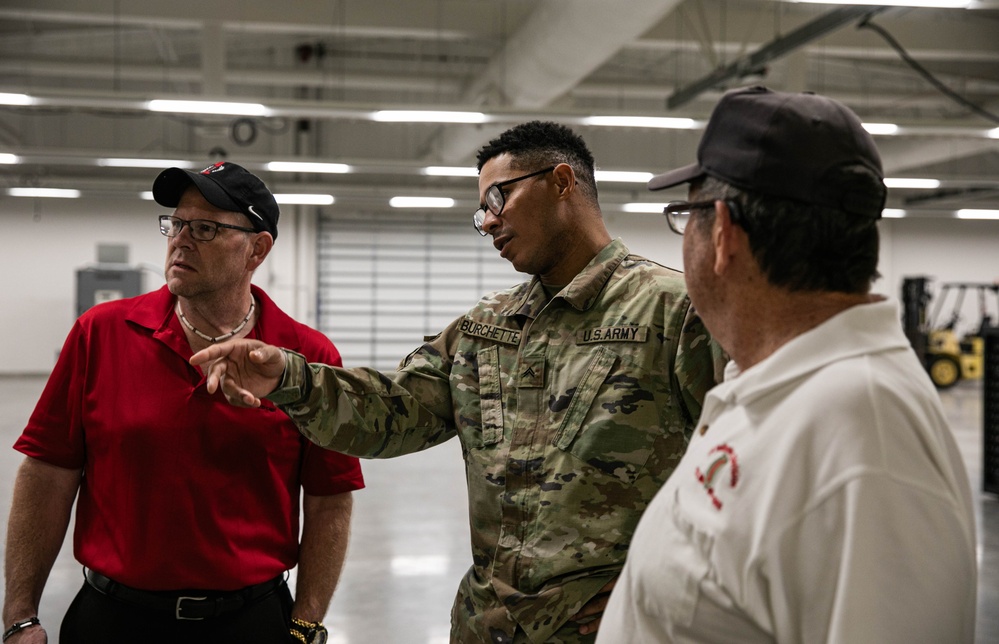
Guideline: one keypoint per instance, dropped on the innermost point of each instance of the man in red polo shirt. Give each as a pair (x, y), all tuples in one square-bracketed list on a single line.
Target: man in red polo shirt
[(188, 510)]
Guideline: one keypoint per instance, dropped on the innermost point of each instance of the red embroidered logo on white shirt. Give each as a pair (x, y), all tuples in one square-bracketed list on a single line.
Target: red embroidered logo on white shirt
[(724, 458)]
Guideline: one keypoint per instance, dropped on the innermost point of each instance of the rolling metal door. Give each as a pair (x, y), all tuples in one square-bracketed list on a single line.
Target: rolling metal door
[(385, 281)]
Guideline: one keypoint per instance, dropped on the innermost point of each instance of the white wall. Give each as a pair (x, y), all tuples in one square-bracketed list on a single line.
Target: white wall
[(46, 240), (946, 250)]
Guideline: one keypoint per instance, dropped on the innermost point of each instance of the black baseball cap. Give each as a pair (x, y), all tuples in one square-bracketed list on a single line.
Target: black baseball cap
[(225, 185), (801, 146)]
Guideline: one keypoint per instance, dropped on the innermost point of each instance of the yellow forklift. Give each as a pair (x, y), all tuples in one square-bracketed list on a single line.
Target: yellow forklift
[(948, 357)]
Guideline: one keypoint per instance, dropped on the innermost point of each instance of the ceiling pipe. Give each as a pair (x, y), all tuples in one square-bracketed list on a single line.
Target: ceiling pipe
[(772, 51), (558, 46)]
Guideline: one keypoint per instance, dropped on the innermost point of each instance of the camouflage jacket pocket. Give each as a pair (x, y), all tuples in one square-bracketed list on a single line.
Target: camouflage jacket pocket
[(586, 391), (490, 396), (611, 423)]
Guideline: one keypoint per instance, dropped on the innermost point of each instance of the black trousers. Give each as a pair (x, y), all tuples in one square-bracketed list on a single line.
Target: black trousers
[(95, 618)]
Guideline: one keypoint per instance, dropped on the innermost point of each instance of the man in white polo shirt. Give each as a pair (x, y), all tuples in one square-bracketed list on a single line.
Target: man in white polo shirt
[(822, 498)]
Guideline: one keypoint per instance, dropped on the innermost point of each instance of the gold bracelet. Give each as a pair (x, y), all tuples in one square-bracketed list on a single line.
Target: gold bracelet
[(306, 632)]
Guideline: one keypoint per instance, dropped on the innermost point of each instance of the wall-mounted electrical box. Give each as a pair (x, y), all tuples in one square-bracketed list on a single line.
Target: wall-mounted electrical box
[(110, 279)]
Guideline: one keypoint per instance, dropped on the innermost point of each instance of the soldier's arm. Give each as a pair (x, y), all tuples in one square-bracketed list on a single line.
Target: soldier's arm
[(365, 412)]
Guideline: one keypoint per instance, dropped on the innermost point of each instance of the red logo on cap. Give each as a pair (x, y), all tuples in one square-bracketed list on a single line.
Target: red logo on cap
[(215, 167)]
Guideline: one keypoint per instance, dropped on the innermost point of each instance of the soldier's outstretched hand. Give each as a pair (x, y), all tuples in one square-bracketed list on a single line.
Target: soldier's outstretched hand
[(245, 370)]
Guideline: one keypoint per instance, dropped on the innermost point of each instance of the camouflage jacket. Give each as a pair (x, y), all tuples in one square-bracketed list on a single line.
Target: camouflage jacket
[(571, 414)]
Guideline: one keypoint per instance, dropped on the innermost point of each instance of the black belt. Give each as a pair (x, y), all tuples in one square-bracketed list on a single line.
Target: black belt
[(197, 605)]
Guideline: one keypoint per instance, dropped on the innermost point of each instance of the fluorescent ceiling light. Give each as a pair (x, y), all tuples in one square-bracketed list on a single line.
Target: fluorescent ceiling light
[(623, 177), (295, 166), (144, 163), (421, 202), (644, 207), (304, 199), (146, 196), (642, 121), (993, 133), (208, 107), (57, 193), (971, 213), (428, 116), (16, 99), (9, 158), (940, 4), (892, 213), (881, 128), (927, 184), (450, 171)]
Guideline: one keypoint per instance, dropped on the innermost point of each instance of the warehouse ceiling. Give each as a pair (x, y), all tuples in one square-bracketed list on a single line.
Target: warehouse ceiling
[(322, 69)]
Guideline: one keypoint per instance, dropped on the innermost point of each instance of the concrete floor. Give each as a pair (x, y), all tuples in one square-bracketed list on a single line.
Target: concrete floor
[(409, 544)]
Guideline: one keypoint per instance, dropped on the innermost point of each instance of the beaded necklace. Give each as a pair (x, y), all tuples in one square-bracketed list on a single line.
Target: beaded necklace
[(224, 336)]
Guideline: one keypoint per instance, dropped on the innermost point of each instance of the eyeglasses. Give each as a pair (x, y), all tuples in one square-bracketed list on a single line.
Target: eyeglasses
[(201, 229), (678, 213), (495, 199)]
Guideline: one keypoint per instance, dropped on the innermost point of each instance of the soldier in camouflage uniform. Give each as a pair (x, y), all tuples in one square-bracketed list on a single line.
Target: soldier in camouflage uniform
[(573, 396)]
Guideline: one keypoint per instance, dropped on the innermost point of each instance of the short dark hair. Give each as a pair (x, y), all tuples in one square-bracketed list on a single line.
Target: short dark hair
[(535, 144), (805, 247)]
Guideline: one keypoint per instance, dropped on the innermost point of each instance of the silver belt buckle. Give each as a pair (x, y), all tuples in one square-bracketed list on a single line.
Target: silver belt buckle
[(177, 612)]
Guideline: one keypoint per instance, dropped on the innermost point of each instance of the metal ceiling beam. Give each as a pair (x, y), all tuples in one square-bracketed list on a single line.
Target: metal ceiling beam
[(110, 101), (900, 156), (433, 85), (437, 86), (969, 52), (775, 49), (257, 77), (964, 197), (413, 20), (82, 99)]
